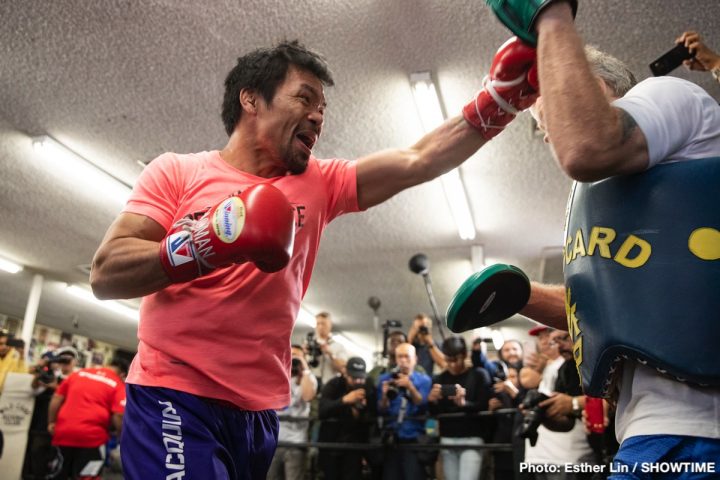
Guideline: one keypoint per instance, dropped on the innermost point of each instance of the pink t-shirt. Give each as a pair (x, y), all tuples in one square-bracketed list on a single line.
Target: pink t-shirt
[(227, 335)]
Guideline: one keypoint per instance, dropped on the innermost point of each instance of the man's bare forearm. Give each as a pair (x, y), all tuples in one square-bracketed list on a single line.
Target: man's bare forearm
[(547, 305), (127, 268)]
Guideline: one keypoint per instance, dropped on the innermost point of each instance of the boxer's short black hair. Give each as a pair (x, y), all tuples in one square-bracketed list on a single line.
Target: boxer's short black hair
[(263, 70)]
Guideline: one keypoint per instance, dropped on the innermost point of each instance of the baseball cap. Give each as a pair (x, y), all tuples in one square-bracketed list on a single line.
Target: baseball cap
[(355, 367), (66, 351), (535, 331)]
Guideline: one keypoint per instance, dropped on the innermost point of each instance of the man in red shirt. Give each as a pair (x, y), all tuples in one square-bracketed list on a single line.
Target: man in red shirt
[(79, 417)]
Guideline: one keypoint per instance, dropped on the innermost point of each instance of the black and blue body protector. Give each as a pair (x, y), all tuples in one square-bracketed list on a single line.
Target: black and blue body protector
[(642, 273)]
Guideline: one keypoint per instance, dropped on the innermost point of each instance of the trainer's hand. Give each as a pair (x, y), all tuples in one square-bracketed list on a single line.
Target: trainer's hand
[(256, 226), (705, 59), (520, 16), (511, 86)]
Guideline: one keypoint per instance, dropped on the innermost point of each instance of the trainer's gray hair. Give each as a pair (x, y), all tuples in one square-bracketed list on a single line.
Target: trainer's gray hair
[(616, 75)]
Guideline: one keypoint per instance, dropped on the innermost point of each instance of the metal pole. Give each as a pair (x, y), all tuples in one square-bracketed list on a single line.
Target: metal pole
[(31, 311)]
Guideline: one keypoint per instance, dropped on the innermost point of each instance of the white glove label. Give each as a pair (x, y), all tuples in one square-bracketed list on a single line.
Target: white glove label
[(229, 219)]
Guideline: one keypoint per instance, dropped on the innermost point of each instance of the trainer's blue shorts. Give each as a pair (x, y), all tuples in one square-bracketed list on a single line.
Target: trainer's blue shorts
[(659, 457), (168, 434)]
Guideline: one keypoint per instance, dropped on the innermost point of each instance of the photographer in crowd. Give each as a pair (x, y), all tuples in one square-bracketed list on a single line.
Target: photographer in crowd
[(10, 359), (347, 407), (289, 462), (461, 388), (403, 398), (388, 364), (545, 354), (704, 59), (48, 374), (420, 336), (326, 356), (558, 406)]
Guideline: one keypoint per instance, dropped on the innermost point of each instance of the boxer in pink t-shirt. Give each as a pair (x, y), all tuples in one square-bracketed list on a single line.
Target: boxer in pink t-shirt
[(222, 244)]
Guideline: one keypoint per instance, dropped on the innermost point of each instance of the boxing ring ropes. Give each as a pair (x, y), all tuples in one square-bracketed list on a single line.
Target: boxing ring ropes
[(500, 447)]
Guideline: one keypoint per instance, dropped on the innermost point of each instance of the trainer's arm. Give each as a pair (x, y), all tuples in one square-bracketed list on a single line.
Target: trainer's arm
[(546, 305), (592, 139), (127, 263), (383, 174)]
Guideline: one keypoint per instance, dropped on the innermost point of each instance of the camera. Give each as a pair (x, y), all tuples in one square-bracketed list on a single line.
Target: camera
[(314, 352), (393, 390), (533, 416), (423, 330), (45, 374), (360, 405), (447, 391), (392, 324), (295, 367)]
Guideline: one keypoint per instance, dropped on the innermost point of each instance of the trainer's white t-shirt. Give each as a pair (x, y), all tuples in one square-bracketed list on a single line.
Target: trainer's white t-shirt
[(681, 122)]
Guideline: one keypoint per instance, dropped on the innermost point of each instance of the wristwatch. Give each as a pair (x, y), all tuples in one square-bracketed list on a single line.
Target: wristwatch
[(576, 410)]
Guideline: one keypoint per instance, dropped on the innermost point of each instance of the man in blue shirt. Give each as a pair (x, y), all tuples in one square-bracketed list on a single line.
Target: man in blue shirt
[(403, 397)]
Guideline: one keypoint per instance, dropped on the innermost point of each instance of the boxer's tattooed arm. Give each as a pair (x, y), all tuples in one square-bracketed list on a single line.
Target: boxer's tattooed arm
[(628, 125)]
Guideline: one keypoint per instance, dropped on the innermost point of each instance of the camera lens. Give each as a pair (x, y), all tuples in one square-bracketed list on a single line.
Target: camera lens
[(392, 393)]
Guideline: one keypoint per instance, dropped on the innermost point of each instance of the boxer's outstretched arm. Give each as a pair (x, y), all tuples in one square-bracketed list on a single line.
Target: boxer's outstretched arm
[(547, 305), (592, 140), (127, 264), (383, 174), (511, 86)]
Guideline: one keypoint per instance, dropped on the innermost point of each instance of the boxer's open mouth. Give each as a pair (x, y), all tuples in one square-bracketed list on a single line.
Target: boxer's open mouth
[(307, 138)]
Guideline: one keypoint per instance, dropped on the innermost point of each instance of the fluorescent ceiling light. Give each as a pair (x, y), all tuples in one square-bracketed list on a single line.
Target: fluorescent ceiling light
[(10, 267), (426, 100), (431, 115), (80, 171), (458, 202), (112, 305)]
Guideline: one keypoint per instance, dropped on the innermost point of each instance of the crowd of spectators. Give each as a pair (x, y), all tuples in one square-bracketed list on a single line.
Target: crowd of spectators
[(76, 412), (437, 409)]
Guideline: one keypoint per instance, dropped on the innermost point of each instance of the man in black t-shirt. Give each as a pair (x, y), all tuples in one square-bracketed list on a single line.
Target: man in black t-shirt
[(347, 405), (461, 388)]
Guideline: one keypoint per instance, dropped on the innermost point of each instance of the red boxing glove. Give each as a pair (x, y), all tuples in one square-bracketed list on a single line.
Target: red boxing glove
[(256, 226), (510, 87)]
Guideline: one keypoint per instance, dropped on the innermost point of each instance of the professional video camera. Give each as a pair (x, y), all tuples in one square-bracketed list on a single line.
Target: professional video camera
[(393, 390), (533, 415), (314, 352)]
